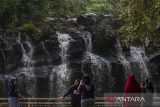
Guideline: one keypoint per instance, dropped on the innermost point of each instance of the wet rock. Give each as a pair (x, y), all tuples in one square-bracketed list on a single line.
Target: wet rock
[(155, 69), (86, 20)]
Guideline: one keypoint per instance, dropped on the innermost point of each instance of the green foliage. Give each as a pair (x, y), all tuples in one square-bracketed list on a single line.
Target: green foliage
[(77, 7), (34, 10), (141, 17), (31, 30), (17, 12), (101, 7), (8, 12), (154, 41)]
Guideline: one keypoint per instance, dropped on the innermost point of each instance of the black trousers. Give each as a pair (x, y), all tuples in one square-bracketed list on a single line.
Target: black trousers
[(75, 104)]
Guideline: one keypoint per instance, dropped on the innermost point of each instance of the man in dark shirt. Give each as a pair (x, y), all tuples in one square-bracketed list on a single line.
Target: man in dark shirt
[(86, 88), (75, 95)]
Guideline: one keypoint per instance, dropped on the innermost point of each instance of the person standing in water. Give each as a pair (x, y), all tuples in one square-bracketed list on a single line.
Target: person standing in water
[(13, 93), (75, 95), (86, 88), (132, 89)]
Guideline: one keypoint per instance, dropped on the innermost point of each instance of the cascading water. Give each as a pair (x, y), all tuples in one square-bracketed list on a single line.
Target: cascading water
[(88, 43), (87, 37), (59, 77), (45, 50), (122, 58), (3, 88), (72, 19), (26, 74), (100, 67), (140, 61), (4, 57)]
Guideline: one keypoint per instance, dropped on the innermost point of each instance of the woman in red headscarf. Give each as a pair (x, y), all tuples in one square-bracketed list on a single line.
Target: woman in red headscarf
[(131, 89)]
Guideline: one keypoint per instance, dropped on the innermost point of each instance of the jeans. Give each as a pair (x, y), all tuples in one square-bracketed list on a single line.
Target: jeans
[(13, 102), (87, 102)]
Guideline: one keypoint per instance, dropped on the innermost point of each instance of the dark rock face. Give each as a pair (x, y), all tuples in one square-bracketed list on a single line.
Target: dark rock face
[(87, 20), (155, 70), (104, 33), (155, 57), (119, 77)]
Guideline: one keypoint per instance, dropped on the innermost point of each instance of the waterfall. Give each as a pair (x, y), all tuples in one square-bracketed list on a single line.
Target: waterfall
[(44, 48), (26, 74), (64, 40), (95, 59), (59, 77), (87, 37), (122, 59), (4, 86), (72, 19), (140, 59), (99, 64), (100, 67), (5, 43), (4, 57), (45, 67)]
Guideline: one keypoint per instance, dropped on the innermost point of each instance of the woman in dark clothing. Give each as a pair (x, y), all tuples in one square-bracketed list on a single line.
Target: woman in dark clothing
[(13, 93), (149, 86), (148, 91), (86, 88), (75, 95), (132, 87)]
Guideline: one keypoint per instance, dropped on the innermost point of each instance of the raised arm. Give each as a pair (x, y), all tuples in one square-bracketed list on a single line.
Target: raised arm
[(68, 92), (20, 96)]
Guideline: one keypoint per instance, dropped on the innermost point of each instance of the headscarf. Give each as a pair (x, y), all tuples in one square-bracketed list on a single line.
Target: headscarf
[(11, 81), (132, 86)]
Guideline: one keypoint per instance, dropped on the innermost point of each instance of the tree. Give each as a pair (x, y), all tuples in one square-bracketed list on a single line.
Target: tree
[(141, 19), (18, 12), (74, 8), (8, 12), (100, 7)]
